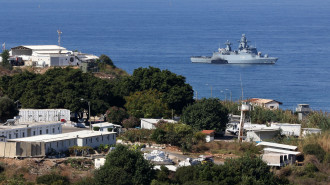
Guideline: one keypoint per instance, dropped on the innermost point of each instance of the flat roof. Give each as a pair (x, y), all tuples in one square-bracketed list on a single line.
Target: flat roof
[(25, 125), (105, 124), (154, 121), (65, 136), (43, 47), (277, 145), (281, 151)]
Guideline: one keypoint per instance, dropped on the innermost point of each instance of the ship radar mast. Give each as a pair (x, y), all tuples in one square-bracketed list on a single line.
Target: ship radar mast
[(59, 39), (228, 45), (243, 43)]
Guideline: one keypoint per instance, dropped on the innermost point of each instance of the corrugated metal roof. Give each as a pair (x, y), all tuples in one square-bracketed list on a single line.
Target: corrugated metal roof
[(208, 132), (277, 145), (281, 151), (65, 136)]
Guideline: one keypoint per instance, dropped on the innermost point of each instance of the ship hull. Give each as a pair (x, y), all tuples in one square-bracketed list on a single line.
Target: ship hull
[(225, 60)]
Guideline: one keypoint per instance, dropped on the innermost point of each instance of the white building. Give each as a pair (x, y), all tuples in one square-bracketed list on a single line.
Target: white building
[(288, 129), (147, 123), (49, 55), (43, 115), (43, 144), (28, 129), (107, 127), (261, 134), (266, 103), (209, 135), (278, 154)]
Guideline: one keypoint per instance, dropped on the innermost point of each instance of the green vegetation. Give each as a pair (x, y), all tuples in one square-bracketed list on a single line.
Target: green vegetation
[(317, 119), (104, 59), (5, 60), (314, 149), (96, 128), (175, 92), (116, 115), (206, 114), (262, 115), (125, 166), (53, 178), (8, 109), (131, 122), (147, 104)]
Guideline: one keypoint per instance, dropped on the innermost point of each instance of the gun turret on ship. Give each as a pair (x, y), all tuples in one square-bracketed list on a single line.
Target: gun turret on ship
[(244, 55)]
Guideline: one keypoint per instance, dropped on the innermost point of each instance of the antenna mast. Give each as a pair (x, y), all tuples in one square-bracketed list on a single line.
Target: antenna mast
[(241, 85), (59, 39)]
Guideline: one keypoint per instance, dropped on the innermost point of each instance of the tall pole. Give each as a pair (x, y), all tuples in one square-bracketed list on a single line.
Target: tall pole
[(59, 39), (89, 115)]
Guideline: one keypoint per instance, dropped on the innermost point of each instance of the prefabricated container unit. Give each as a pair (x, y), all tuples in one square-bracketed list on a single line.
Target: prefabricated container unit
[(13, 132), (43, 115), (95, 141)]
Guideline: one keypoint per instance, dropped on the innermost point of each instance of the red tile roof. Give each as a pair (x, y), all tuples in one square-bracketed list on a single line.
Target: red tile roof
[(208, 132)]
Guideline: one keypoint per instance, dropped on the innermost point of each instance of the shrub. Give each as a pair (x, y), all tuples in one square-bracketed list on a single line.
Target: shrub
[(49, 179), (131, 122), (96, 128), (314, 149)]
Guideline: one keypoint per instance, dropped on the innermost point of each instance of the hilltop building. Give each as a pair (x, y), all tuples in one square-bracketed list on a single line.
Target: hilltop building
[(47, 55)]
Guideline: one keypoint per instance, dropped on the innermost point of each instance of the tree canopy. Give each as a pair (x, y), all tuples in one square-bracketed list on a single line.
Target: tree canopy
[(206, 114), (5, 59), (106, 60), (59, 88), (8, 109), (125, 166), (116, 115), (147, 104), (175, 91)]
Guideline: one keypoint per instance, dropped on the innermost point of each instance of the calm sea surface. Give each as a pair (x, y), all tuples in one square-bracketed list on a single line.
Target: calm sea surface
[(165, 33)]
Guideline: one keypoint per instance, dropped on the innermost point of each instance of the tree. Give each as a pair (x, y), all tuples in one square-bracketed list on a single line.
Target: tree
[(206, 114), (175, 91), (146, 104), (116, 115), (106, 60), (125, 166), (8, 109), (5, 59), (131, 122)]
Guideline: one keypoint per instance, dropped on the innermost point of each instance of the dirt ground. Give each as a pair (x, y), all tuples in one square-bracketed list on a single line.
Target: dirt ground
[(31, 168)]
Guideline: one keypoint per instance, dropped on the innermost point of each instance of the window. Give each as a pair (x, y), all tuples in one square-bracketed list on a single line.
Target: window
[(34, 133), (23, 134), (53, 130), (9, 136), (57, 144), (58, 128), (46, 131), (102, 137), (108, 137), (86, 140), (113, 136), (40, 132), (97, 139)]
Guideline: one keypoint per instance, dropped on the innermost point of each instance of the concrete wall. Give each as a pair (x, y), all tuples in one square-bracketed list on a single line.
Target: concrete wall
[(7, 149), (60, 146), (253, 136)]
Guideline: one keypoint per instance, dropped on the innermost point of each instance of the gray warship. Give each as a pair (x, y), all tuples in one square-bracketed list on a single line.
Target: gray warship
[(244, 55)]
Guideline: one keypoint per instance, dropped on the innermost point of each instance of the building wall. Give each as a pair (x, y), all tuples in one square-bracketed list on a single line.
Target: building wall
[(96, 141), (43, 115), (13, 133), (147, 125), (272, 105), (253, 136)]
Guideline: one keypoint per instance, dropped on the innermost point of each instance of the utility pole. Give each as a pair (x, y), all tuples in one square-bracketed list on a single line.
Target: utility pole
[(59, 39)]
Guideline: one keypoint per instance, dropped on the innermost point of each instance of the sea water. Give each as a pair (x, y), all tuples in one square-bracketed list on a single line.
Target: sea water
[(165, 33)]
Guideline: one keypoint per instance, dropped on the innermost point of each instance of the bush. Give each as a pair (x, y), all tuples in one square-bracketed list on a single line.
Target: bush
[(131, 122), (49, 179), (96, 128), (314, 149)]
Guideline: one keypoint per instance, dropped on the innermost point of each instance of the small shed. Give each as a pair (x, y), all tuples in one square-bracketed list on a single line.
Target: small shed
[(276, 154), (147, 123), (107, 127), (209, 135)]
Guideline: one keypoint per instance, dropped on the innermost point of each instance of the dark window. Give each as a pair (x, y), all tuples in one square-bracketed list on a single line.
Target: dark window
[(46, 131), (40, 132)]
